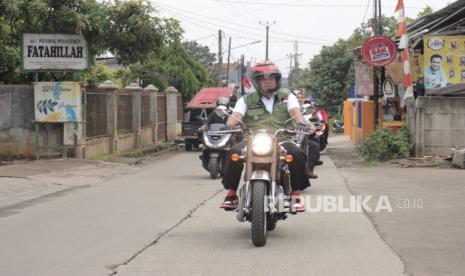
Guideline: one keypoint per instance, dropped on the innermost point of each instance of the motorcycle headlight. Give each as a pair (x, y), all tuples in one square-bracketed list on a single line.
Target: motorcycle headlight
[(262, 144)]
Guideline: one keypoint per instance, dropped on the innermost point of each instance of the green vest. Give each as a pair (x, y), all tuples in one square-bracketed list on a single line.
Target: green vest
[(257, 117)]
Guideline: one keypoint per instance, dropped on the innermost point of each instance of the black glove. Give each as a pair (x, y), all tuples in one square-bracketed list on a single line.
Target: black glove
[(314, 119)]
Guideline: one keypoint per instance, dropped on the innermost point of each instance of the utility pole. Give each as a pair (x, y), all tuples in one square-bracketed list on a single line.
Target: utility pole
[(267, 24), (227, 70), (290, 56), (296, 60), (383, 71), (239, 69), (242, 75), (296, 54), (375, 69), (220, 57)]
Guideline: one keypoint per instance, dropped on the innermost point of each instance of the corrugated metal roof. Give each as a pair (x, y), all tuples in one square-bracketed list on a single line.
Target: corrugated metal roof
[(206, 97), (447, 21)]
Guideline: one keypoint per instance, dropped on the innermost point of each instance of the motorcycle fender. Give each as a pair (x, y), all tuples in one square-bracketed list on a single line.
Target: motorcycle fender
[(214, 154), (261, 175)]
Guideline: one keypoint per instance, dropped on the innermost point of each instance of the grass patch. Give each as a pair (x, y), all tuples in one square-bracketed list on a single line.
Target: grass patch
[(100, 157), (383, 145)]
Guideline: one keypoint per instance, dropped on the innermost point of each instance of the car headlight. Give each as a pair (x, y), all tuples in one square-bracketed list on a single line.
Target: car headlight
[(262, 144)]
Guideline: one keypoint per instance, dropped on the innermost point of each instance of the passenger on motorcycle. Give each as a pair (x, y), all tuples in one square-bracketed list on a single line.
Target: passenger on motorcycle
[(321, 113), (266, 108), (313, 149)]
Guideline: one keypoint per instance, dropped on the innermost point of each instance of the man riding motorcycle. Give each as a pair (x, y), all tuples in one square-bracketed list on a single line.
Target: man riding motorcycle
[(217, 116), (266, 108)]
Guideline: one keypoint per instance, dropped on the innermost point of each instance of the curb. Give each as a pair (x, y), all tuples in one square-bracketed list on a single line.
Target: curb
[(137, 156)]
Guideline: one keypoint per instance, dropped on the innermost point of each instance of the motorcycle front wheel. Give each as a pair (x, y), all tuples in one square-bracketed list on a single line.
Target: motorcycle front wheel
[(213, 168), (259, 217), (271, 223)]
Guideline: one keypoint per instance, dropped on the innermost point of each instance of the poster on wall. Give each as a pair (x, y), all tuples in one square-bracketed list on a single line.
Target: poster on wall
[(57, 102), (363, 78), (395, 70), (444, 60)]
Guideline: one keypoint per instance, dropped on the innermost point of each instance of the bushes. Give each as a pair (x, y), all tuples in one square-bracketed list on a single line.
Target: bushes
[(383, 145)]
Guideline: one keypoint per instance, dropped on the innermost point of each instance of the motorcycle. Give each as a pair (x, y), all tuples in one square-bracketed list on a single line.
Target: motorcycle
[(338, 126), (217, 143), (301, 138), (264, 198), (321, 132)]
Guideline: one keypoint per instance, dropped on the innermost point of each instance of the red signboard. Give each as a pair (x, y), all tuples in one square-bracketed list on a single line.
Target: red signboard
[(379, 50)]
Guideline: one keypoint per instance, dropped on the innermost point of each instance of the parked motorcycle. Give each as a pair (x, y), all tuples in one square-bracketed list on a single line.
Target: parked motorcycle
[(217, 143), (264, 197), (338, 126)]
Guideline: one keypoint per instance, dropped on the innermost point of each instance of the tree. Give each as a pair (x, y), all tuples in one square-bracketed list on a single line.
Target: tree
[(128, 29), (183, 72), (76, 16), (426, 11), (132, 33), (200, 53), (331, 73), (98, 75), (328, 78), (149, 72)]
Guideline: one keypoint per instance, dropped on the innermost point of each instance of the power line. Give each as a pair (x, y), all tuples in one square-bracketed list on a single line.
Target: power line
[(304, 5), (190, 18), (247, 11), (190, 13), (366, 11), (301, 36), (186, 18), (194, 23), (203, 37)]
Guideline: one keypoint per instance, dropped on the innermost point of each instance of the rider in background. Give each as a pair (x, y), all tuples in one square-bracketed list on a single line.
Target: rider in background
[(313, 151), (217, 116), (324, 117)]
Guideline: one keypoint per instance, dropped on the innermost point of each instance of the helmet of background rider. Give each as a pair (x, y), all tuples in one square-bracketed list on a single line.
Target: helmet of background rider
[(222, 100), (266, 69), (222, 104)]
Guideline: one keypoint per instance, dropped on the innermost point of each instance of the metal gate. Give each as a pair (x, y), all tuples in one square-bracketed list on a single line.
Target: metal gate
[(96, 113), (161, 118), (124, 123)]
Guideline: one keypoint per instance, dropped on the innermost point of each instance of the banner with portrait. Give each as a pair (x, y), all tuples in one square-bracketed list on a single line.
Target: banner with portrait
[(444, 60)]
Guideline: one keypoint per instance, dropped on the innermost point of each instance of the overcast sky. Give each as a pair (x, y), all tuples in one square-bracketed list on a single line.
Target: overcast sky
[(313, 23)]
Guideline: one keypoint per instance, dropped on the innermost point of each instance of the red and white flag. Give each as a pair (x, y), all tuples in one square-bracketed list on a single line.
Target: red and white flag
[(403, 44), (246, 84)]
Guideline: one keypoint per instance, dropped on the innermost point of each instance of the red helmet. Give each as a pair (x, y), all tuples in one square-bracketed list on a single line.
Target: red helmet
[(266, 69)]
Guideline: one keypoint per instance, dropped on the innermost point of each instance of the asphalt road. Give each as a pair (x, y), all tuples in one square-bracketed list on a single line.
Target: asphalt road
[(164, 220)]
